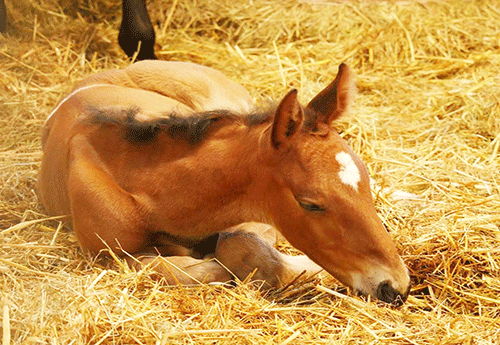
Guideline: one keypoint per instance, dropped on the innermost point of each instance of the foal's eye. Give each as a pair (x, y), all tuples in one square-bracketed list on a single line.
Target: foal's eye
[(311, 207)]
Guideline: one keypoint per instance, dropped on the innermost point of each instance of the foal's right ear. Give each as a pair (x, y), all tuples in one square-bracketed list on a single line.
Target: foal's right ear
[(288, 120)]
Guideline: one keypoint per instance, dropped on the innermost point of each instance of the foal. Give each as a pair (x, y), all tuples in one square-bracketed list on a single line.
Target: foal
[(173, 158)]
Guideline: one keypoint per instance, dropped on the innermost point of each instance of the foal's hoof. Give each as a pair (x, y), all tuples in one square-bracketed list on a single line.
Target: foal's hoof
[(245, 254)]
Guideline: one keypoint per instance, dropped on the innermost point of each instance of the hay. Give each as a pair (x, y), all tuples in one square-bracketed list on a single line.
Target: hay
[(426, 122)]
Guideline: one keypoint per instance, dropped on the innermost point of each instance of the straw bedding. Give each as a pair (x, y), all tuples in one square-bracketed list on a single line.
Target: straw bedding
[(426, 122)]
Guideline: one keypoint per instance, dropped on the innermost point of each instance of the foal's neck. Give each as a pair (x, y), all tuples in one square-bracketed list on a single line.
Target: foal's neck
[(218, 184), (237, 168)]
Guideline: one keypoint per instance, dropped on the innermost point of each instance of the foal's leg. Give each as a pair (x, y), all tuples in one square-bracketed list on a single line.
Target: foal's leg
[(245, 252), (239, 252), (181, 265), (104, 214), (183, 270)]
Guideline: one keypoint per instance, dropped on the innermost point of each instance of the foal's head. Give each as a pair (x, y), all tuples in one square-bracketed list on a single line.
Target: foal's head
[(321, 199)]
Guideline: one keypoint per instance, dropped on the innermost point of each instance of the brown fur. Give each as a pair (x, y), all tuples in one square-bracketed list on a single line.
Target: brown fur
[(122, 191)]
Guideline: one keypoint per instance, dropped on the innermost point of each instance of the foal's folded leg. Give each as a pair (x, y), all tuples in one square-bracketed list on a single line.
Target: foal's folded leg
[(183, 270), (244, 253)]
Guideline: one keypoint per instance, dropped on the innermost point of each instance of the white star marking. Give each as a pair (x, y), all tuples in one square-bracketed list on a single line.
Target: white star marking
[(349, 172)]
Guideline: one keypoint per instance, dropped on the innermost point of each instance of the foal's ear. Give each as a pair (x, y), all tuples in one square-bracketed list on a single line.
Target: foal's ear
[(334, 100), (288, 120)]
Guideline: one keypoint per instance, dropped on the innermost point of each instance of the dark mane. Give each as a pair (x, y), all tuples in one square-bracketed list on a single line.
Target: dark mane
[(192, 128)]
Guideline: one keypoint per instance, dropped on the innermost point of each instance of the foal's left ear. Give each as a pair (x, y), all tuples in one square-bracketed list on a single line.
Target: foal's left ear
[(288, 120), (334, 100)]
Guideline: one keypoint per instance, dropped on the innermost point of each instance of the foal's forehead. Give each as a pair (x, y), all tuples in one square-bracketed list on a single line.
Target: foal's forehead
[(334, 162)]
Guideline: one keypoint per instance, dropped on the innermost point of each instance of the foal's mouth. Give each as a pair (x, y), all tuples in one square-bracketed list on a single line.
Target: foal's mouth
[(387, 294)]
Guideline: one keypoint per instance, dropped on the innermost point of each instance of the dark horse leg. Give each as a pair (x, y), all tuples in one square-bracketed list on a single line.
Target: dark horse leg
[(136, 27), (3, 16)]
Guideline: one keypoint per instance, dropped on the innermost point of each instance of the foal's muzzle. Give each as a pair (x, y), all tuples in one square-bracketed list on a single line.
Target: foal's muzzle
[(386, 293)]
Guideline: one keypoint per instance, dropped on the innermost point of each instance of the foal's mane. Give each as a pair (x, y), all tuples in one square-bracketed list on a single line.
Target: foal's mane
[(192, 128)]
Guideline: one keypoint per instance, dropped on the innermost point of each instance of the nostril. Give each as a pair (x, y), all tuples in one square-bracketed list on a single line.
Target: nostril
[(386, 293)]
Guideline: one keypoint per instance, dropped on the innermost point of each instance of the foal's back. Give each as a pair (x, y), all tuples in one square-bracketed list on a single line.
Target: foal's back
[(152, 88)]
